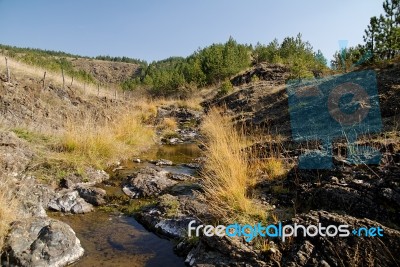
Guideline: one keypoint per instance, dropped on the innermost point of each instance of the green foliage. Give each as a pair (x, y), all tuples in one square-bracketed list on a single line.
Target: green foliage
[(226, 88), (123, 59), (295, 53), (382, 36), (178, 76), (345, 59), (382, 40)]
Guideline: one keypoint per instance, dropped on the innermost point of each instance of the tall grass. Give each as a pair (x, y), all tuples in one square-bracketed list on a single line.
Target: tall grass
[(227, 174), (102, 142), (8, 205)]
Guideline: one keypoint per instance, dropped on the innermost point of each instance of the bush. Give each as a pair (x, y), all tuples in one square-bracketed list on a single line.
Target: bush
[(226, 88)]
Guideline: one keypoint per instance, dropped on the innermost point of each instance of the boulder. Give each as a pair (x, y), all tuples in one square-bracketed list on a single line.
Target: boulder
[(148, 182), (69, 201), (93, 195), (41, 242)]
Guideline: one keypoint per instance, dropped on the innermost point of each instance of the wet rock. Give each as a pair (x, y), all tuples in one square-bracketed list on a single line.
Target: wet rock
[(170, 217), (148, 182), (93, 195), (192, 165), (157, 221), (182, 177), (162, 162), (41, 242), (69, 201)]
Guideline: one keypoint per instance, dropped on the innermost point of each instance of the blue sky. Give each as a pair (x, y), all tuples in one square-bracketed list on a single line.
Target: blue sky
[(157, 29)]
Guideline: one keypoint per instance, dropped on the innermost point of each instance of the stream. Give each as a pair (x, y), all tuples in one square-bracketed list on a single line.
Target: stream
[(111, 238)]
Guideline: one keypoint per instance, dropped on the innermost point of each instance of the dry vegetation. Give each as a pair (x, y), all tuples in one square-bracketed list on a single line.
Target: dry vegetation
[(91, 142), (8, 205), (230, 174)]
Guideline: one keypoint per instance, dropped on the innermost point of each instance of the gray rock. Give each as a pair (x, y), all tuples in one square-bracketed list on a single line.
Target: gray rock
[(41, 242), (162, 162), (66, 200), (148, 182), (92, 195)]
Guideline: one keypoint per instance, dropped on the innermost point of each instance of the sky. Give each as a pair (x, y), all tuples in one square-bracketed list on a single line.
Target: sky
[(158, 29)]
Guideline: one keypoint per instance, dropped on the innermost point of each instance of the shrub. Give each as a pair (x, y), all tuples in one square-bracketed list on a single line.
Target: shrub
[(227, 175), (226, 88)]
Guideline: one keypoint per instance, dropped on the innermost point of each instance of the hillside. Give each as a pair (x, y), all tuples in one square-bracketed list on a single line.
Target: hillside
[(107, 71), (56, 141)]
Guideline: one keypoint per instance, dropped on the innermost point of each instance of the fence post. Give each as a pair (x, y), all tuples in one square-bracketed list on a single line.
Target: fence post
[(8, 71), (44, 78), (62, 72)]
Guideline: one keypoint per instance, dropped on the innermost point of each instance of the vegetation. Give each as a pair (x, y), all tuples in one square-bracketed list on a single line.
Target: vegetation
[(227, 173), (105, 141), (8, 205), (295, 53), (123, 59), (55, 61), (382, 40)]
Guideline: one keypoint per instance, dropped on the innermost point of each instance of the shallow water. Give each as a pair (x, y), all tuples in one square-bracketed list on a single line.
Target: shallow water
[(114, 239), (119, 240)]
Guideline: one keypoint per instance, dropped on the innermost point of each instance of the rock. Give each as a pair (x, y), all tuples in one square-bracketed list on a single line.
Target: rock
[(162, 162), (335, 251), (81, 206), (95, 176), (182, 177), (137, 160), (15, 155), (41, 242), (148, 182), (93, 195), (66, 200), (67, 183), (192, 165), (223, 251)]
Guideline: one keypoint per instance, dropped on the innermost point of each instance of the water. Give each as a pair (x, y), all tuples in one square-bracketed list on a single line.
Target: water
[(114, 239), (119, 240)]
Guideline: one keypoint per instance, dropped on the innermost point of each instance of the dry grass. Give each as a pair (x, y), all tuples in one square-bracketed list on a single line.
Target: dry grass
[(273, 167), (168, 124), (19, 69), (8, 205), (228, 175), (102, 142)]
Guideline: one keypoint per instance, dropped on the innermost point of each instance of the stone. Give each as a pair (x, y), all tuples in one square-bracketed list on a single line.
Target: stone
[(41, 242), (93, 195), (148, 182), (66, 200)]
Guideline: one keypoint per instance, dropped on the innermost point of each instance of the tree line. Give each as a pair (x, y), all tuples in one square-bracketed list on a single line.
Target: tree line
[(215, 64), (381, 40)]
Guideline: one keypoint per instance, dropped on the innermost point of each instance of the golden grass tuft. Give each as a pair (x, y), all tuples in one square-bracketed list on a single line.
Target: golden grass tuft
[(168, 124), (7, 209), (273, 167), (103, 142), (227, 174)]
